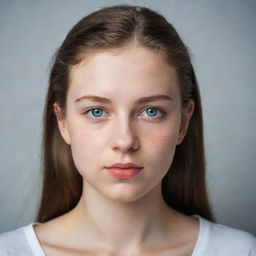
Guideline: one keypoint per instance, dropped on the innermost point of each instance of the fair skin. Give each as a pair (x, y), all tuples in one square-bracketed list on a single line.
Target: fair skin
[(118, 216)]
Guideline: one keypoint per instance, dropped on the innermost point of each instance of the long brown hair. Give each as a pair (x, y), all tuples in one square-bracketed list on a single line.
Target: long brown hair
[(183, 187)]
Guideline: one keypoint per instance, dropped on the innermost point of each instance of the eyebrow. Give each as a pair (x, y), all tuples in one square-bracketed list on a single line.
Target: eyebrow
[(139, 101)]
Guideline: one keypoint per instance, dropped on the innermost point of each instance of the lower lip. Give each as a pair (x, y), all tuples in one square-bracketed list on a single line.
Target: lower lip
[(124, 173)]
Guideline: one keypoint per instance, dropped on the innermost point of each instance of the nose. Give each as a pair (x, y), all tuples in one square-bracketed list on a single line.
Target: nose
[(124, 138)]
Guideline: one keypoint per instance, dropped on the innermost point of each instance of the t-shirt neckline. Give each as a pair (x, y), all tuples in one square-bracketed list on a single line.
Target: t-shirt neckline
[(33, 239), (38, 250), (203, 237)]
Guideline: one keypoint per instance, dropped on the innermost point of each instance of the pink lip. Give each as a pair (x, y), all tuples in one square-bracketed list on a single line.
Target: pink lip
[(124, 165), (124, 170)]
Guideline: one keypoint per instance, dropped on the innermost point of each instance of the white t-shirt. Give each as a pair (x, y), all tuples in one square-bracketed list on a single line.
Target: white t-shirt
[(213, 240)]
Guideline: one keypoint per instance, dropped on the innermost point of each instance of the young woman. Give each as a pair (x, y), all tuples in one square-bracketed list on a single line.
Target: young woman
[(124, 170)]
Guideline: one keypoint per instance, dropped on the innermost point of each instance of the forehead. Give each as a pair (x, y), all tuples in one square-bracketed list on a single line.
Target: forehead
[(133, 69)]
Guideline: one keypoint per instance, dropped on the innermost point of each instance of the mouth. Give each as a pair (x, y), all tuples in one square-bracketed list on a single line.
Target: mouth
[(124, 170)]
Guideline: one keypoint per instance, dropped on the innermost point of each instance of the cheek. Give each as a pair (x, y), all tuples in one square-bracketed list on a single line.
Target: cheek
[(84, 137), (161, 144), (86, 146), (164, 136)]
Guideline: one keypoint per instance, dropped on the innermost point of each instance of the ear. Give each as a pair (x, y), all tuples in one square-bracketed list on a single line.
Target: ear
[(62, 123), (187, 113)]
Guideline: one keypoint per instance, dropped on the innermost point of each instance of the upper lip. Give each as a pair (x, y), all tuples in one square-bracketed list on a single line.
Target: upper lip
[(124, 165)]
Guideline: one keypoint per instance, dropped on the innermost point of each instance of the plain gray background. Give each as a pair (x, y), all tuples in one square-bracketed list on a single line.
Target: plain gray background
[(221, 37)]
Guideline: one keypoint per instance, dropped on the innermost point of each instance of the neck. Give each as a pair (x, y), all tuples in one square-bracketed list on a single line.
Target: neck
[(122, 225)]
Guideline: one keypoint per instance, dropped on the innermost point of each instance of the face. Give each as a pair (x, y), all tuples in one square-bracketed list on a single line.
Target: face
[(123, 105)]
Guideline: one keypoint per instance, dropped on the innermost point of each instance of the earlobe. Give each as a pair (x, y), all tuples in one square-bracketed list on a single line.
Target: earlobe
[(62, 124), (186, 117)]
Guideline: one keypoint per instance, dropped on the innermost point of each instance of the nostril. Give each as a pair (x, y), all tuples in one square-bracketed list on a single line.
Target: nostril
[(125, 145)]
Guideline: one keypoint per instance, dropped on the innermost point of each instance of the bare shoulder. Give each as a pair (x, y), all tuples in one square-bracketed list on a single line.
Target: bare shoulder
[(186, 230), (186, 226), (51, 235), (45, 232)]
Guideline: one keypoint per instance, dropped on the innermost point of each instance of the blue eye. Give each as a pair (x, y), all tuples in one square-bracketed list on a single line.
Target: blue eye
[(152, 112), (96, 112), (99, 113)]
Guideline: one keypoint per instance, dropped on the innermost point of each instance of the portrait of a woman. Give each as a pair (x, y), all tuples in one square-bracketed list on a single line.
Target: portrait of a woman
[(123, 148)]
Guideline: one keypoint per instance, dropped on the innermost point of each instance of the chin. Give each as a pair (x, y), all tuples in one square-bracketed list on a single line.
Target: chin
[(126, 193)]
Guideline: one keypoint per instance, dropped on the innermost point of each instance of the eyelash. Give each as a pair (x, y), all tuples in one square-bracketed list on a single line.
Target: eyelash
[(162, 113)]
